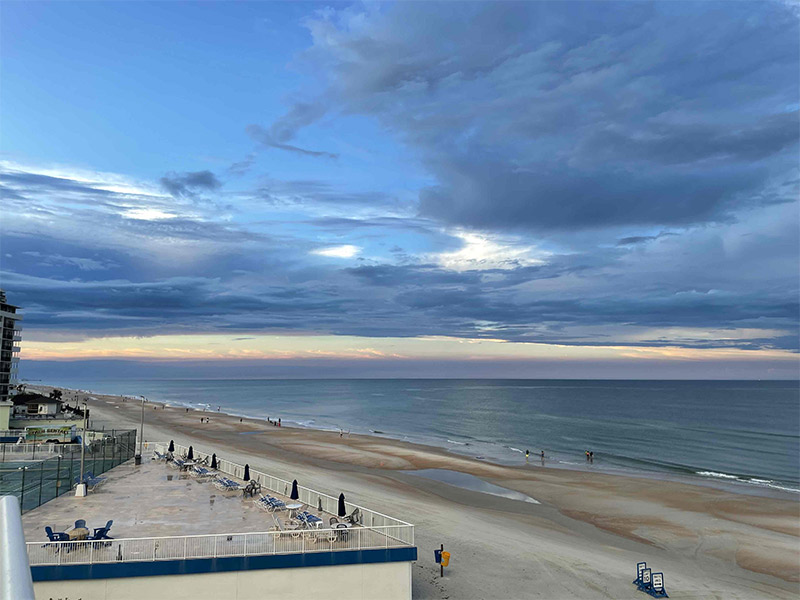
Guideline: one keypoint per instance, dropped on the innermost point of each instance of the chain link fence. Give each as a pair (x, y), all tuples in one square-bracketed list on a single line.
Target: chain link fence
[(34, 482)]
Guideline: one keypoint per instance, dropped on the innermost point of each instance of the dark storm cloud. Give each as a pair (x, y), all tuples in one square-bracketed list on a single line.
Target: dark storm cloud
[(565, 116), (188, 184)]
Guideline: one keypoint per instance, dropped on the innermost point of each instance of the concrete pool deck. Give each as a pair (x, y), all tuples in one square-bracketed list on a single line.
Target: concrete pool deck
[(152, 500)]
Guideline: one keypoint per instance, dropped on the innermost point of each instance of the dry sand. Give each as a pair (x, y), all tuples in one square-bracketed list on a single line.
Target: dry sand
[(582, 541)]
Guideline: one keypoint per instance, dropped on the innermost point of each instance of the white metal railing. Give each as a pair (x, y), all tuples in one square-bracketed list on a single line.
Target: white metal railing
[(369, 518), (219, 545), (11, 451)]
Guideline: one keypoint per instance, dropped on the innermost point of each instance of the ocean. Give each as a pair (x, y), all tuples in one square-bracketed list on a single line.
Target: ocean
[(745, 433)]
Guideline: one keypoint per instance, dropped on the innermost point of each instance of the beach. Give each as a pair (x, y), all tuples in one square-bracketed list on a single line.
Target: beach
[(581, 538)]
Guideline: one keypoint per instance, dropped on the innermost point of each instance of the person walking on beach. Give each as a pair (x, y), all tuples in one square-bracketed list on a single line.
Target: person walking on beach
[(591, 456), (527, 454), (279, 421)]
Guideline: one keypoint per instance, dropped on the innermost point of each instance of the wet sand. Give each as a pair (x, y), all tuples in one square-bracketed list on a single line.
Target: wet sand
[(582, 541)]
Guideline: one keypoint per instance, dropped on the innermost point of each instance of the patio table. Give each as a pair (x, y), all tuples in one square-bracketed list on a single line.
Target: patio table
[(79, 533)]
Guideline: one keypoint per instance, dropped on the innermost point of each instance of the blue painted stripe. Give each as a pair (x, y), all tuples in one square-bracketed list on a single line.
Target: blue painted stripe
[(221, 565)]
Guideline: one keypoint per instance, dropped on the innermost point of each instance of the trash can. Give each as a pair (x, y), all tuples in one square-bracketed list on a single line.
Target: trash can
[(437, 556), (445, 559)]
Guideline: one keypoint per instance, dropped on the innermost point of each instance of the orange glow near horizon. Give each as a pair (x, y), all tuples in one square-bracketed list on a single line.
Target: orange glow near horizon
[(271, 347)]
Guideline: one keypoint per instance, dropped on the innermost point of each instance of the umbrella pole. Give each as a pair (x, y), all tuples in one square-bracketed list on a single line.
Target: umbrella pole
[(441, 562)]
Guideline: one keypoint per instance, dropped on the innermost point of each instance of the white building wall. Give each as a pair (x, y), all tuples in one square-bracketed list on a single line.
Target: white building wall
[(377, 581)]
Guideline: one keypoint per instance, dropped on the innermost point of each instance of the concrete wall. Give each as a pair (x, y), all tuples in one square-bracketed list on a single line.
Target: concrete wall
[(379, 581)]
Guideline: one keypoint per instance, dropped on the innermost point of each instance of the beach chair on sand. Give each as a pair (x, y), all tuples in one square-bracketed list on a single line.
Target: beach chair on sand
[(657, 586)]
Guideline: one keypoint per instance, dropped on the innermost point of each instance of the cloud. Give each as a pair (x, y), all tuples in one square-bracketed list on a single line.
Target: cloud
[(344, 251), (553, 117), (189, 183), (265, 138)]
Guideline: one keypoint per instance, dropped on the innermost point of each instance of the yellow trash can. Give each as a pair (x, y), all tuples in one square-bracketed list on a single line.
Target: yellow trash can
[(445, 559)]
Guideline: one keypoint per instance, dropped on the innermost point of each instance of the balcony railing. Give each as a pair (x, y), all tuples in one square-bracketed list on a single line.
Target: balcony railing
[(219, 545)]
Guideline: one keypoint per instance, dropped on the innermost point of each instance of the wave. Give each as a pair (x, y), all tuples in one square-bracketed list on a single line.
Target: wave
[(749, 480), (458, 443)]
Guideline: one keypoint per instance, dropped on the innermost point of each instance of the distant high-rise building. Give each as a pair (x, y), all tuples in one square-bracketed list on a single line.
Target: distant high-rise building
[(10, 336)]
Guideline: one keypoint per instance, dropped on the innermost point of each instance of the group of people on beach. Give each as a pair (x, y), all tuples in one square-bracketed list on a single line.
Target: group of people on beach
[(589, 456)]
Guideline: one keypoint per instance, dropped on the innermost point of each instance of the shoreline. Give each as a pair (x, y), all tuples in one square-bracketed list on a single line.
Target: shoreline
[(738, 484), (738, 537)]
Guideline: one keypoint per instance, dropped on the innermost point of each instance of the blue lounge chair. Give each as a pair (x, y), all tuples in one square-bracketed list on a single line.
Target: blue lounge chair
[(309, 520), (201, 472), (226, 485)]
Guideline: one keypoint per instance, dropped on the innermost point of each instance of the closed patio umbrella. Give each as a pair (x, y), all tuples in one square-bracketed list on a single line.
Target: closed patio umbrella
[(342, 508), (190, 455), (171, 446), (247, 472), (295, 495), (213, 461)]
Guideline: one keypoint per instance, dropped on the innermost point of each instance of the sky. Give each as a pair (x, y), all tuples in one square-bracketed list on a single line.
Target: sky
[(538, 189)]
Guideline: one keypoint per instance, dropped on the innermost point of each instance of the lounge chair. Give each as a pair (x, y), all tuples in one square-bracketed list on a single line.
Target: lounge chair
[(201, 472), (311, 521), (333, 521), (354, 518), (226, 485), (158, 456), (91, 481), (269, 504), (291, 527)]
